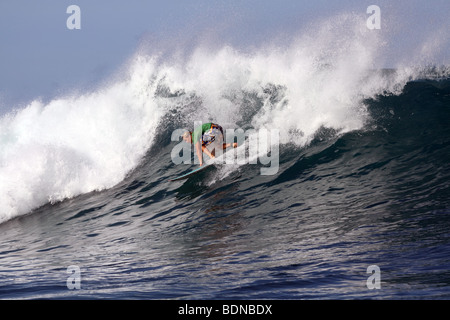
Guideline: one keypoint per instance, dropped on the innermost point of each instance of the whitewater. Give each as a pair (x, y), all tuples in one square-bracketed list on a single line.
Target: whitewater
[(90, 141), (362, 179)]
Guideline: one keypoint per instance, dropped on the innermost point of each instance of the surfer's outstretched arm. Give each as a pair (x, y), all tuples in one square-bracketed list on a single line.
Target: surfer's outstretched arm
[(205, 150), (198, 150)]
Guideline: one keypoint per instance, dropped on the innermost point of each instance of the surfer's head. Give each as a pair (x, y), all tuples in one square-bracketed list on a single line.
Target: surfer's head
[(187, 136)]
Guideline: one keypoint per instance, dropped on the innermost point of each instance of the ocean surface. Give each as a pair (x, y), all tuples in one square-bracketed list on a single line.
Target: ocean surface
[(87, 210)]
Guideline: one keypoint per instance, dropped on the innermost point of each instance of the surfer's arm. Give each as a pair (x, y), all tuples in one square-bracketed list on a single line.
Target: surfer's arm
[(205, 150), (198, 149)]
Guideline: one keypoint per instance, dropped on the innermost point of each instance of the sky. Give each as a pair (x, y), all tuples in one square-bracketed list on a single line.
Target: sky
[(40, 56)]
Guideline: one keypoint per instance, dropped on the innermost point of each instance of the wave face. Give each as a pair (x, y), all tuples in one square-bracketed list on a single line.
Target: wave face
[(86, 142), (363, 178)]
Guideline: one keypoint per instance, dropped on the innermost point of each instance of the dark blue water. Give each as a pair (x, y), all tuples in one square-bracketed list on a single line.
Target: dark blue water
[(379, 195)]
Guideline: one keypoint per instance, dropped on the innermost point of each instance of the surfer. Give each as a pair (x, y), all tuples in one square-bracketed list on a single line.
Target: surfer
[(207, 138)]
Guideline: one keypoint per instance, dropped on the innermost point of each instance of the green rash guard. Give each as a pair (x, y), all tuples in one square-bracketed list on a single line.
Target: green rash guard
[(199, 131)]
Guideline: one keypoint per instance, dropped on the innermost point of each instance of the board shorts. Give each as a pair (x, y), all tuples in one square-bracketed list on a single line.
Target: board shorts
[(213, 138)]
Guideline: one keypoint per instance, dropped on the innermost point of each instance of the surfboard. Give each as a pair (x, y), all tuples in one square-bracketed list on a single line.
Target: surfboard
[(205, 165), (190, 173)]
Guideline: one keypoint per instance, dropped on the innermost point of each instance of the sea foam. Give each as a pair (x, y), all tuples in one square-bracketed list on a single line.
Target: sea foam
[(85, 142)]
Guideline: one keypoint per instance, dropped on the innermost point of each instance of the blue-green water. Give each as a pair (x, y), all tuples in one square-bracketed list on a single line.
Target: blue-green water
[(375, 196)]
